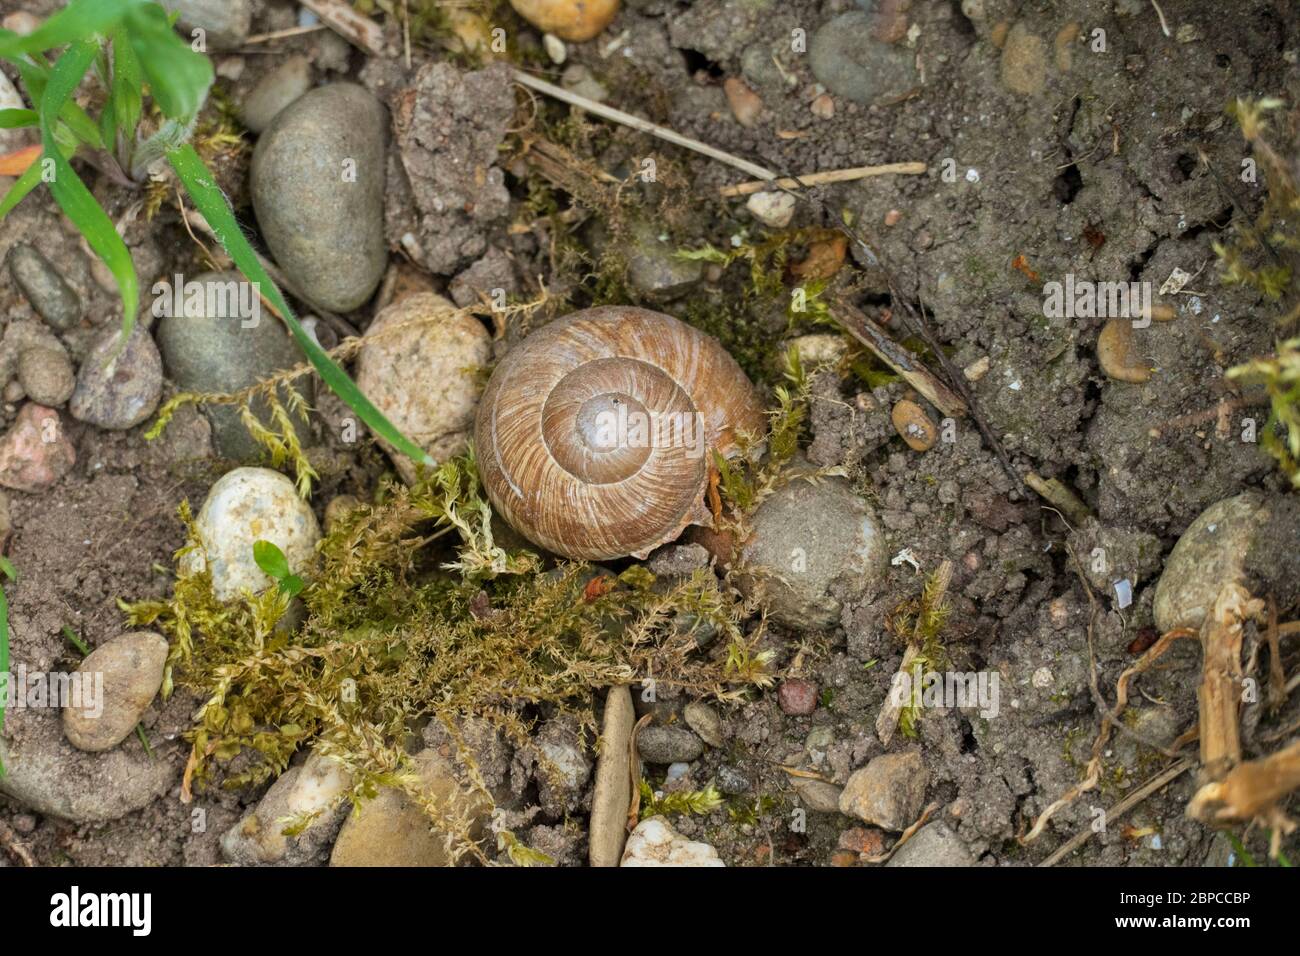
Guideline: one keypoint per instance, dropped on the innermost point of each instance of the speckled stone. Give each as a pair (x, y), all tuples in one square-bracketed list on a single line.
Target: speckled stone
[(118, 680), (318, 190), (245, 506), (115, 389), (426, 377)]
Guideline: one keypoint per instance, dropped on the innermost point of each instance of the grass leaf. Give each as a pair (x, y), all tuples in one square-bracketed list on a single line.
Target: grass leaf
[(210, 201), (77, 21), (178, 77), (71, 193)]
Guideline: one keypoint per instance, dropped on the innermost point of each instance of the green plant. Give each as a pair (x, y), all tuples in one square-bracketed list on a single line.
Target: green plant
[(697, 802), (1280, 376), (401, 628), (275, 565), (132, 47)]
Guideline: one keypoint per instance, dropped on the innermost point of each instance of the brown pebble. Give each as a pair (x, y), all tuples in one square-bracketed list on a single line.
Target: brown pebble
[(844, 858), (745, 103), (797, 697), (868, 840), (914, 425), (823, 107), (892, 217)]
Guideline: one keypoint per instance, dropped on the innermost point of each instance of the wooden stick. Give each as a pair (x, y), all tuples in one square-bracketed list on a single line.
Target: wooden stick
[(645, 126), (1219, 695), (821, 179), (352, 26), (1059, 495), (898, 358), (1159, 781), (284, 34)]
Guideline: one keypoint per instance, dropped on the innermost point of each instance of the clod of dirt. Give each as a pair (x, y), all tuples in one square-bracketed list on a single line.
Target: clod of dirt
[(211, 347), (813, 545), (118, 389), (655, 843), (849, 60), (447, 189), (914, 426), (1214, 552), (393, 830), (282, 86), (245, 506), (35, 452), (318, 190), (421, 367), (1024, 61), (131, 669), (46, 376), (888, 792), (50, 295), (314, 787), (562, 769), (574, 20)]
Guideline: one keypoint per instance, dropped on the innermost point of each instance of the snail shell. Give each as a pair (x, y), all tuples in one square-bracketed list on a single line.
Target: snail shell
[(596, 433)]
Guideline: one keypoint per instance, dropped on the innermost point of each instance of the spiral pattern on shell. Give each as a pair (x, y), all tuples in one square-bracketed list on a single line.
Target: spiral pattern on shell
[(596, 433)]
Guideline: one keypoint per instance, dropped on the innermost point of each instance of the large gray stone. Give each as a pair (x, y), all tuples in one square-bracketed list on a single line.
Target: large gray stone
[(848, 60), (222, 352), (812, 545), (933, 845), (318, 190), (50, 295)]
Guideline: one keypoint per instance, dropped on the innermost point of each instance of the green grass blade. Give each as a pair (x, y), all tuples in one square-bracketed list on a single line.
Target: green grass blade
[(77, 21), (19, 190), (71, 193), (179, 77), (212, 203), (17, 119), (125, 97)]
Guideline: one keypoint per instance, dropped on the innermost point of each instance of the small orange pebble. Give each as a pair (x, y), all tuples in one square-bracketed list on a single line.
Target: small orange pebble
[(17, 162), (892, 217), (597, 587), (914, 426), (823, 260), (1021, 264)]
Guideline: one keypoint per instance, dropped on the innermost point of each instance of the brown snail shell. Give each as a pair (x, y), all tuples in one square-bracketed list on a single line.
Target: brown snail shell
[(595, 434)]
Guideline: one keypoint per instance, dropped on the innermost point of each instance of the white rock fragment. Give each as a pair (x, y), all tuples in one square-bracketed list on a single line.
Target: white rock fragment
[(772, 209), (655, 843), (245, 506)]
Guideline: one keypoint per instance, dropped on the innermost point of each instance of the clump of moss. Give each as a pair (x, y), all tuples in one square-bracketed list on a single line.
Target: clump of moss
[(1263, 252), (920, 622), (400, 628), (1280, 376)]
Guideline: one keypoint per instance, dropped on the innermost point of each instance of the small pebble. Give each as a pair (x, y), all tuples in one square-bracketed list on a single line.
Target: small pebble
[(36, 451), (774, 209), (46, 376), (667, 745), (823, 107), (797, 697), (118, 390), (704, 720), (245, 506), (121, 678), (655, 843), (50, 295), (555, 48), (745, 103)]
